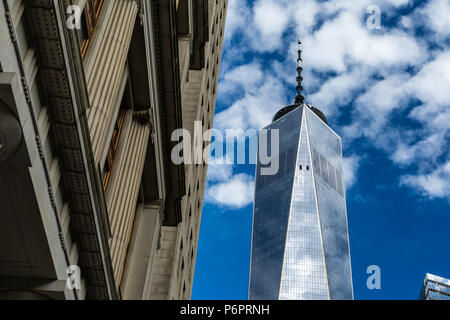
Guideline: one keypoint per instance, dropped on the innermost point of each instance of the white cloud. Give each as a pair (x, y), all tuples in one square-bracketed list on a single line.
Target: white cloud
[(256, 108), (431, 85), (238, 14), (384, 96), (338, 91), (219, 172), (237, 192), (304, 14), (427, 149), (399, 3), (345, 41), (407, 22), (351, 167), (435, 184), (270, 21), (362, 5), (245, 77), (373, 108), (436, 14)]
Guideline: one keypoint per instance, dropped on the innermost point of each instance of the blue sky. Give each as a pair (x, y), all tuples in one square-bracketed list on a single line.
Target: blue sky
[(385, 91)]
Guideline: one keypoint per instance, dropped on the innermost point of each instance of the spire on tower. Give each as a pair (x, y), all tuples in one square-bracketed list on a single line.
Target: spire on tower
[(299, 99)]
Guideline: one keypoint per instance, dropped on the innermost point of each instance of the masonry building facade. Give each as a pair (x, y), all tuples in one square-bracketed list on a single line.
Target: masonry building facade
[(90, 93)]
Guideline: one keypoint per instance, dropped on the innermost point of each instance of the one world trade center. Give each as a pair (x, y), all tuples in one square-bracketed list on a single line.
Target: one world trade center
[(300, 242)]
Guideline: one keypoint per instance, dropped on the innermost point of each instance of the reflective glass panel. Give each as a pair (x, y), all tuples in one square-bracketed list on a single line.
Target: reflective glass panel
[(304, 275), (332, 208), (271, 212)]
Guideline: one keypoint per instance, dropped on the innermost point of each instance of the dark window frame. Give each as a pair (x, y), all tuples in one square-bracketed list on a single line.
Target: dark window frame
[(89, 20), (113, 148)]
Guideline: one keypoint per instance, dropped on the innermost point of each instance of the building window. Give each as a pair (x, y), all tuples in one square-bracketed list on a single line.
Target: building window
[(114, 145), (89, 20)]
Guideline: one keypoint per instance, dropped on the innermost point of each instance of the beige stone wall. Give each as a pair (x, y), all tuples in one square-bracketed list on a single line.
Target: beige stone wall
[(199, 92), (106, 76), (150, 261), (108, 55), (161, 260)]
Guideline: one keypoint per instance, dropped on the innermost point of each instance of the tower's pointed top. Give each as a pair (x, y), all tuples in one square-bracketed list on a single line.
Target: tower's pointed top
[(299, 99)]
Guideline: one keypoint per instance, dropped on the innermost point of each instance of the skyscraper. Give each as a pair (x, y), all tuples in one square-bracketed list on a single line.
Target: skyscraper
[(300, 244), (90, 94), (435, 288)]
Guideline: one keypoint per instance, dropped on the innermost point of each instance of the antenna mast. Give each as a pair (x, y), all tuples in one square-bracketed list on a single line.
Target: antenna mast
[(299, 99)]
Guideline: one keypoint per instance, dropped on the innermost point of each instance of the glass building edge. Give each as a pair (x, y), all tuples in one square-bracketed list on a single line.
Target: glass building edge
[(332, 209), (435, 288), (339, 139), (290, 206), (317, 201), (253, 225), (345, 204), (284, 291), (289, 143), (292, 195)]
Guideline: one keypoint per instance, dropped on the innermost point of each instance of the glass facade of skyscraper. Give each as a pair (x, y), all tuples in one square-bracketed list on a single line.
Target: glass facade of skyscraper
[(300, 247), (435, 288)]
